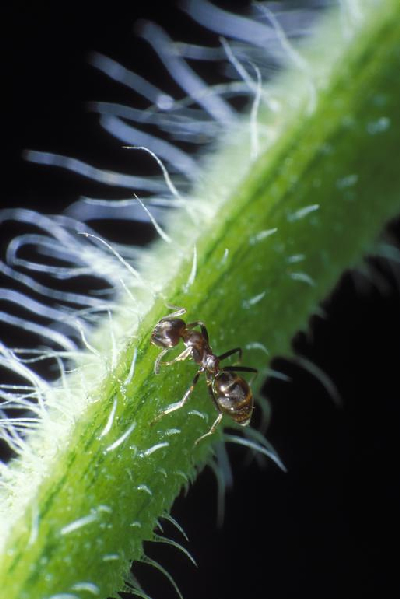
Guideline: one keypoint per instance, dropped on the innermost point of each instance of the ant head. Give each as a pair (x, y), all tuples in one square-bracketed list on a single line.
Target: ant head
[(168, 332)]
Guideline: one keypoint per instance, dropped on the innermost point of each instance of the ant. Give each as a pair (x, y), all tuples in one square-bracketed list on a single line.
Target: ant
[(230, 393)]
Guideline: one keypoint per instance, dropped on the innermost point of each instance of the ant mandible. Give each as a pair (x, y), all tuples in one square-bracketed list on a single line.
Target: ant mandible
[(230, 393)]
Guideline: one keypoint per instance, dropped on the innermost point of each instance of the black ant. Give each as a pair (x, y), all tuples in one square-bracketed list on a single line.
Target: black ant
[(230, 393)]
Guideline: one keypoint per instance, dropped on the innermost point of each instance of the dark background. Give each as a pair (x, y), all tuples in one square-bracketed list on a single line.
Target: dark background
[(328, 527)]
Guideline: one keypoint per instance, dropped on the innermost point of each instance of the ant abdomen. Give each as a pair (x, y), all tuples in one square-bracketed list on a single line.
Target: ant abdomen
[(168, 332), (234, 396)]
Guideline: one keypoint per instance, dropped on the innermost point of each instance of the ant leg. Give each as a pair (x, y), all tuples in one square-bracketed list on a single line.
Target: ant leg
[(182, 356), (178, 312), (219, 417), (211, 390), (181, 403), (242, 369), (212, 429), (199, 323), (158, 360), (236, 350)]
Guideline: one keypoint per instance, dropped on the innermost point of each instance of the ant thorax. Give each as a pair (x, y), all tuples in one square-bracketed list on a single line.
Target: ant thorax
[(210, 363), (197, 343)]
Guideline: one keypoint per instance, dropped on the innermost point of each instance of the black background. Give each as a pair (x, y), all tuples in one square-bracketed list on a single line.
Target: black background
[(329, 527)]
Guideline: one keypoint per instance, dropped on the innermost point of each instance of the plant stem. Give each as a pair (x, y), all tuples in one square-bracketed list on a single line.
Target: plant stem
[(309, 207)]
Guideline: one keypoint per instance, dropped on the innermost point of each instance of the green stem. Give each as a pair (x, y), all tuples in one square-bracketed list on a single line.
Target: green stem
[(308, 208)]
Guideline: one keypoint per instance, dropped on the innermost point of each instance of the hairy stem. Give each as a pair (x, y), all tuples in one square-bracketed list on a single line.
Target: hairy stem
[(309, 206)]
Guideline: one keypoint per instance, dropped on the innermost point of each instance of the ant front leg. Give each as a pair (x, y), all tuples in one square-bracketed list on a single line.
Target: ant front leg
[(178, 405), (178, 312), (158, 362)]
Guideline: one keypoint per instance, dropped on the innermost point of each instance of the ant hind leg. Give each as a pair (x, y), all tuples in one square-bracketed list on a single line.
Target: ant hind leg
[(235, 350), (212, 429), (218, 418), (179, 404), (242, 369)]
